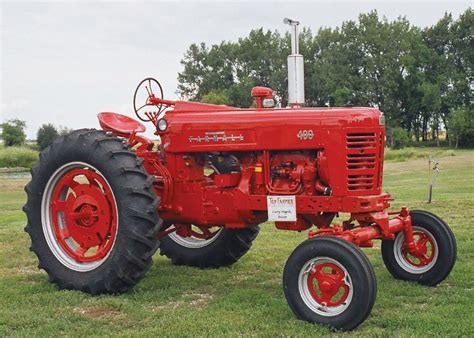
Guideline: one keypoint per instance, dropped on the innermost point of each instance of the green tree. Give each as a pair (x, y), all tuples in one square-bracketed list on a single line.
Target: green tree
[(429, 105), (400, 138), (206, 69), (234, 68), (342, 96), (45, 136), (461, 125), (64, 130), (451, 62), (13, 132), (216, 98)]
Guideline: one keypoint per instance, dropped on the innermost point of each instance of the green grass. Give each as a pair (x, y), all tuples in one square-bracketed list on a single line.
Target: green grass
[(17, 157), (246, 299), (412, 153)]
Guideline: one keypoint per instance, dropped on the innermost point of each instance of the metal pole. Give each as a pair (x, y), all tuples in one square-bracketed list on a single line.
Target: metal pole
[(433, 167), (430, 186)]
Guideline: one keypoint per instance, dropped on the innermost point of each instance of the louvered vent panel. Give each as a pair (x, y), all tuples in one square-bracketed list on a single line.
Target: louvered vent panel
[(361, 140), (361, 161)]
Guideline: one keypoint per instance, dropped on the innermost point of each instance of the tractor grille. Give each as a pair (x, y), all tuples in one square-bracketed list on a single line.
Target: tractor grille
[(361, 161), (361, 140), (360, 182)]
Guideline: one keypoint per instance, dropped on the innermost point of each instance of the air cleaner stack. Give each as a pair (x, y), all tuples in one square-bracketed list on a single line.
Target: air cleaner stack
[(295, 68)]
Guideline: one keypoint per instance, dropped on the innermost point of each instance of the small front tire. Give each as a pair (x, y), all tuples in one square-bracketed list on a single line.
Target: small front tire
[(330, 281), (438, 244)]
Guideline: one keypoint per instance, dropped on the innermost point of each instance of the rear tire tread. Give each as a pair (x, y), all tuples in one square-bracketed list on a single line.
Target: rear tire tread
[(129, 259)]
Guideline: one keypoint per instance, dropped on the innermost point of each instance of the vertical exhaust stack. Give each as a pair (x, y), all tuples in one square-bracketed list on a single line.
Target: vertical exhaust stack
[(295, 68)]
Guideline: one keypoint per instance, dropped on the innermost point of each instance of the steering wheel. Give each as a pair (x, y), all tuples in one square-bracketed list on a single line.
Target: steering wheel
[(141, 99)]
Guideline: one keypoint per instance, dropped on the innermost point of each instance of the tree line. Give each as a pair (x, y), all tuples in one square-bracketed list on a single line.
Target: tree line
[(421, 78), (13, 133)]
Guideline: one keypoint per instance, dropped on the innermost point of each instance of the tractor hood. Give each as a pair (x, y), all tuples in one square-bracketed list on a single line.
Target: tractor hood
[(203, 128)]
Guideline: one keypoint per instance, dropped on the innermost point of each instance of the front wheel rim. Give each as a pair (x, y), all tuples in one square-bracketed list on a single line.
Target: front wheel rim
[(411, 263), (325, 286), (79, 216)]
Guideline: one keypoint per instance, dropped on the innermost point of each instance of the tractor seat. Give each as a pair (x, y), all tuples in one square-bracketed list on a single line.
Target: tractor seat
[(119, 124)]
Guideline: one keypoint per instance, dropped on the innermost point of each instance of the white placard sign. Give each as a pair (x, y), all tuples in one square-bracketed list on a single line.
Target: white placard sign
[(281, 208)]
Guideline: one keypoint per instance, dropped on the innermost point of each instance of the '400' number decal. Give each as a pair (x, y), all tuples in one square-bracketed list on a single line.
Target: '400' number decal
[(305, 134)]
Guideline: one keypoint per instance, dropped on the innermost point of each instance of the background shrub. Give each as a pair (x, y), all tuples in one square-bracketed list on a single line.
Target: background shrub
[(14, 157), (400, 138)]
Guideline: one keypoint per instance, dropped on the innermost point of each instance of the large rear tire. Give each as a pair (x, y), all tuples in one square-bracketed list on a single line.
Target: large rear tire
[(92, 213), (224, 248), (439, 246)]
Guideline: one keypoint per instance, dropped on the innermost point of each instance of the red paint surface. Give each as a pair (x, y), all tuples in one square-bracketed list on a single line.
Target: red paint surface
[(331, 159), (89, 212)]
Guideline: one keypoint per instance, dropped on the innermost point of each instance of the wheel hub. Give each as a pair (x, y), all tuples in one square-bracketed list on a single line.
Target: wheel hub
[(422, 253), (84, 215), (87, 215), (327, 284)]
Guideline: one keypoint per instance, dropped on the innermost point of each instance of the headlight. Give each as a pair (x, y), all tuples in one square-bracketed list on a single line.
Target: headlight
[(162, 124)]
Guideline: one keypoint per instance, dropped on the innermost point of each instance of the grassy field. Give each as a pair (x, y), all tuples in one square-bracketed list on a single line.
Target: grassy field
[(17, 157), (246, 299)]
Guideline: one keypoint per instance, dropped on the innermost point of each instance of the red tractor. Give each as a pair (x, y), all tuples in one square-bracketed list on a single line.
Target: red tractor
[(101, 202)]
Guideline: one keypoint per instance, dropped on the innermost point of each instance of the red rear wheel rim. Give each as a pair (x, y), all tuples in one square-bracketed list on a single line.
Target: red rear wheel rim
[(82, 214)]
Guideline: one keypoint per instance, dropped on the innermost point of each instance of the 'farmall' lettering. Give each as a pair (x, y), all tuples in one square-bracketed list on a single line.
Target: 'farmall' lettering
[(216, 136)]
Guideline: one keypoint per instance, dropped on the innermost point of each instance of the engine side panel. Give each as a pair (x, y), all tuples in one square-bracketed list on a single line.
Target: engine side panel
[(297, 152)]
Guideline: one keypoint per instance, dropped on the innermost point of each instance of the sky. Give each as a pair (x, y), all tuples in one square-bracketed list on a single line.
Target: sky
[(62, 62)]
